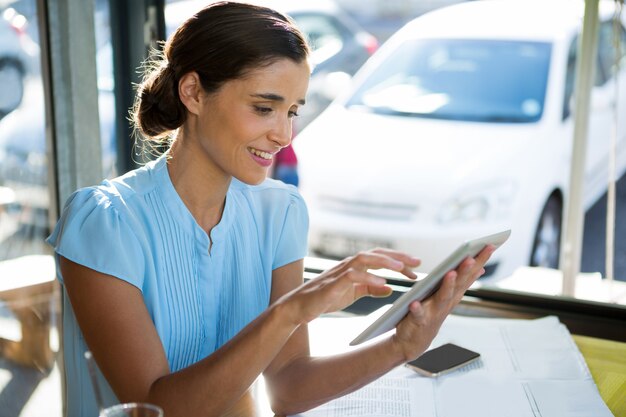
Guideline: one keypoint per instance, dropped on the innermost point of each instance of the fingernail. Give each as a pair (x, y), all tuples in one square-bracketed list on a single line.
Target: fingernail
[(387, 294)]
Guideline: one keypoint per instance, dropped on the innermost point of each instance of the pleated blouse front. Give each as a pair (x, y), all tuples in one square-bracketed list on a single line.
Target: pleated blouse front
[(137, 228)]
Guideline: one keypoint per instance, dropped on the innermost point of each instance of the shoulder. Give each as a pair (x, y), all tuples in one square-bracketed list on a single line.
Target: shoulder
[(270, 191), (101, 228), (275, 204), (118, 193), (270, 203), (281, 217), (134, 183), (109, 208)]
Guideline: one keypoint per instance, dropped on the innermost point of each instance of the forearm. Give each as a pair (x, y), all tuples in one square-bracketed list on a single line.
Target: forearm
[(213, 385), (310, 381)]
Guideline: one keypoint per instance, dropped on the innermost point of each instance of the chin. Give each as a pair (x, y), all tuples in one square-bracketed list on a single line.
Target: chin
[(251, 179)]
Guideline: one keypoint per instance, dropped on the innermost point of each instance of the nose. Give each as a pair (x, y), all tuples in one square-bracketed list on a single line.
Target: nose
[(281, 132)]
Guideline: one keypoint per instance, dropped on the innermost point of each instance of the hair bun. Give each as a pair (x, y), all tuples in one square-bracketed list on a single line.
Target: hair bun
[(159, 110)]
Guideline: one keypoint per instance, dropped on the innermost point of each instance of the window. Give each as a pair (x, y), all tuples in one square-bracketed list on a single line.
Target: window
[(491, 81), (29, 293)]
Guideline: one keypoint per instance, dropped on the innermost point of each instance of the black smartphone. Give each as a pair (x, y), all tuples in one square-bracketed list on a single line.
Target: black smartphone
[(443, 359)]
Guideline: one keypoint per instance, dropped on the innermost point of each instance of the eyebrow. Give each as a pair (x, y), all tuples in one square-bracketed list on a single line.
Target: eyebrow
[(275, 97)]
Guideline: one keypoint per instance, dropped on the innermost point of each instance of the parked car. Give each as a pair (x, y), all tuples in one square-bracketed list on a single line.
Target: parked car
[(459, 126), (18, 54), (339, 45)]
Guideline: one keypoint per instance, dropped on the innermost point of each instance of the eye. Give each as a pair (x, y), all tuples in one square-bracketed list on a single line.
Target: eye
[(263, 110)]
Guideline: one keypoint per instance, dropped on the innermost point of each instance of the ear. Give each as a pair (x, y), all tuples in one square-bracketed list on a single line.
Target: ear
[(190, 92)]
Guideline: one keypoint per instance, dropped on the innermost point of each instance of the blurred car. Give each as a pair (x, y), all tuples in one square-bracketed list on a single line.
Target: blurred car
[(461, 126), (17, 55), (23, 152), (339, 45), (339, 48)]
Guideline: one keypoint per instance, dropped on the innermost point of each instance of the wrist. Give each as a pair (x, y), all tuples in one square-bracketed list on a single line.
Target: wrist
[(400, 351), (285, 313)]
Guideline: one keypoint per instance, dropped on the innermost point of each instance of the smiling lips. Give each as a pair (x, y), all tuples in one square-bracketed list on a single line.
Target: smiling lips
[(261, 157)]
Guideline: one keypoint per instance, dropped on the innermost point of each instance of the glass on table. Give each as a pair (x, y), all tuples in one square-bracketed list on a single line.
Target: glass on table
[(132, 410)]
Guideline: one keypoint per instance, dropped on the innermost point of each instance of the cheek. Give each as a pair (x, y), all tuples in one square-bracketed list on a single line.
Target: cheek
[(248, 127), (237, 133)]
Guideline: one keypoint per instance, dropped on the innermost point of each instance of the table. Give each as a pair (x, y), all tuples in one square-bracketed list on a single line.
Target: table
[(29, 289), (606, 360)]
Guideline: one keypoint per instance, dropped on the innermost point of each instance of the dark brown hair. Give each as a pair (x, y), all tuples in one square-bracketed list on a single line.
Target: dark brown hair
[(221, 42)]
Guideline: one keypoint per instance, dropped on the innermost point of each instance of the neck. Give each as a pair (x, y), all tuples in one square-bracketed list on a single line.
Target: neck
[(202, 189)]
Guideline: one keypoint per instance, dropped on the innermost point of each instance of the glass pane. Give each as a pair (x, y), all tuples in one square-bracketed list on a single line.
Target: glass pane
[(29, 297)]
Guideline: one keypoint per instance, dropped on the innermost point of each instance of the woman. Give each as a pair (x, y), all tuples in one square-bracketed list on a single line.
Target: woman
[(185, 277)]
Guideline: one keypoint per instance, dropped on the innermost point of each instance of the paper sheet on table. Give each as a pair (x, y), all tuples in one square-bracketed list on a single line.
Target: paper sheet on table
[(390, 396), (528, 368)]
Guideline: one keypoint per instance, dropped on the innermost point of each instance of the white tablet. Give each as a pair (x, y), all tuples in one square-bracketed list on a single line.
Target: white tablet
[(425, 287)]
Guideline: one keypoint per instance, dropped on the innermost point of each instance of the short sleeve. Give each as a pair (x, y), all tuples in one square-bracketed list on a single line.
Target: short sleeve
[(292, 242), (92, 232)]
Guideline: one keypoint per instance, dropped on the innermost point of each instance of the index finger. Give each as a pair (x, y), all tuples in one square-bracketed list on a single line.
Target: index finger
[(410, 262), (384, 259)]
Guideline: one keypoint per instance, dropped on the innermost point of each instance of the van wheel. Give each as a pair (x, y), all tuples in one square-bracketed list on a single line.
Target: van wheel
[(547, 242)]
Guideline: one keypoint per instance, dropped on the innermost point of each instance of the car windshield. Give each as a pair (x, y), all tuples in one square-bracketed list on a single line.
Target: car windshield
[(473, 80)]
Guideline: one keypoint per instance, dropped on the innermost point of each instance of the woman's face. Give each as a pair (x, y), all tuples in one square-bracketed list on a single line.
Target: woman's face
[(247, 121)]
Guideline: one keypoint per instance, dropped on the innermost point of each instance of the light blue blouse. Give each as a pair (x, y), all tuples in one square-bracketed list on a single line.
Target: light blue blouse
[(137, 228)]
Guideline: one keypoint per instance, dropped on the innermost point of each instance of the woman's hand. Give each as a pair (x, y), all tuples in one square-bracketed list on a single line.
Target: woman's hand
[(417, 330), (348, 281)]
